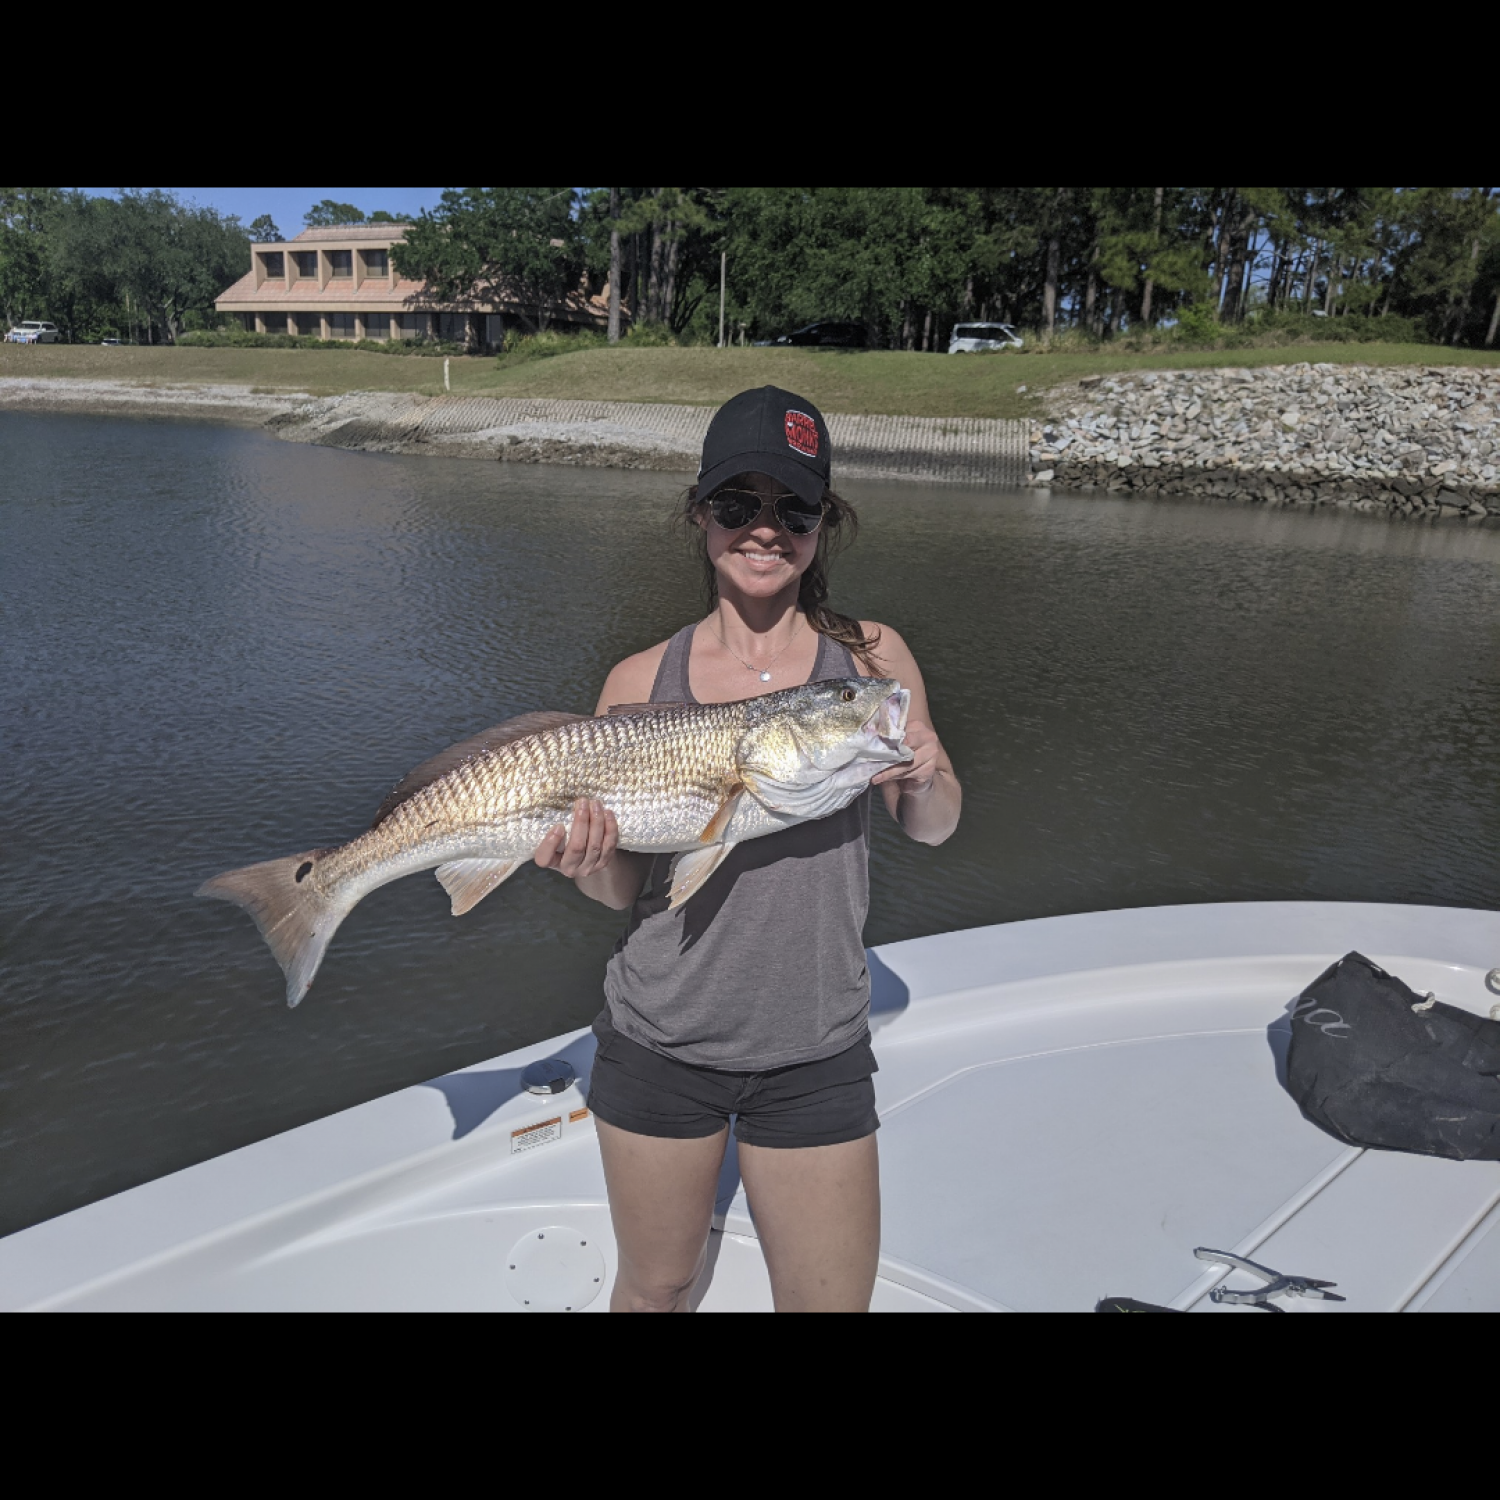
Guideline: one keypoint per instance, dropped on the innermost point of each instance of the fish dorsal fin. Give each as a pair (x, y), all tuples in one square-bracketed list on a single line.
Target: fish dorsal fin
[(643, 708), (454, 756)]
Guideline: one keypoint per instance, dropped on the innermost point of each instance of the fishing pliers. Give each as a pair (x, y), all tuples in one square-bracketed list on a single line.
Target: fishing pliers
[(1277, 1285)]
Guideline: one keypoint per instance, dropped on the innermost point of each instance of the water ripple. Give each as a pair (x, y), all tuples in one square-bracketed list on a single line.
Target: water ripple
[(215, 648)]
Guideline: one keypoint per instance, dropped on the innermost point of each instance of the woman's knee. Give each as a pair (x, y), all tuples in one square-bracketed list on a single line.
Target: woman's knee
[(655, 1288)]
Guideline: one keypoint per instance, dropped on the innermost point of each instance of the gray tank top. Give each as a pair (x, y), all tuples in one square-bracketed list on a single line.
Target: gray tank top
[(765, 966)]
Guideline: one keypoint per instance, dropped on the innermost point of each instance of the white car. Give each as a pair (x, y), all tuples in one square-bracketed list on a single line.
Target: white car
[(982, 338), (31, 331)]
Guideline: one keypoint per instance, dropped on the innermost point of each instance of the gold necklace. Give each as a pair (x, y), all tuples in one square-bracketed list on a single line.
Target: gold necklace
[(765, 675)]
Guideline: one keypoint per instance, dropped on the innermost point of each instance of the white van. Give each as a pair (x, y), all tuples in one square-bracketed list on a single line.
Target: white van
[(982, 338), (32, 331)]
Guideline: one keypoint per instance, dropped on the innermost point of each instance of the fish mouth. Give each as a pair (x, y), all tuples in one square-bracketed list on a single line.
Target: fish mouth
[(888, 723)]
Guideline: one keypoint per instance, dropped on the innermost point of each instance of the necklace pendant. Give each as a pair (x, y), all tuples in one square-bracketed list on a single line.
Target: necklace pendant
[(765, 676)]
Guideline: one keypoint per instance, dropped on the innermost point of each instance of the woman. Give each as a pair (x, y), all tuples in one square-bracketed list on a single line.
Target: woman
[(752, 999)]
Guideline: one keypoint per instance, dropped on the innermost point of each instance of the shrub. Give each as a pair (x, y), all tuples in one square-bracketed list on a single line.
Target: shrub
[(649, 336), (235, 338), (1066, 339), (1286, 324), (1198, 324), (519, 346)]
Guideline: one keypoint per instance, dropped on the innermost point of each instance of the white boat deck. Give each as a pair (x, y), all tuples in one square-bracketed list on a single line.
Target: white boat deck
[(1069, 1107)]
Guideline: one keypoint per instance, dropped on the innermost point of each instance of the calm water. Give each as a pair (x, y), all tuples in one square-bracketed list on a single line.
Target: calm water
[(217, 648)]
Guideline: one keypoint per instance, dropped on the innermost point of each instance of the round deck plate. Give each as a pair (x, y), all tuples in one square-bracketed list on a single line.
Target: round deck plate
[(554, 1269)]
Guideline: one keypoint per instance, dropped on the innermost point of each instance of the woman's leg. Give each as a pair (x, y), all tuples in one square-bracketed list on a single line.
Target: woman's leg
[(661, 1199), (817, 1212)]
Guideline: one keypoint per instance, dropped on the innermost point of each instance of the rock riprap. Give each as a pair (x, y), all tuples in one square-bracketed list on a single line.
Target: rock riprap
[(1398, 438)]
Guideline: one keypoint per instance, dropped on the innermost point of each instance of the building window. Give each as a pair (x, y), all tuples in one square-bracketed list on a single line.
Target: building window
[(413, 325), (341, 325), (248, 319), (305, 263), (341, 263), (377, 263), (310, 325), (274, 263), (377, 325)]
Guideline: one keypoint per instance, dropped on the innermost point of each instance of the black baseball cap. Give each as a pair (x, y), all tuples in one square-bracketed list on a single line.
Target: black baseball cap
[(767, 431)]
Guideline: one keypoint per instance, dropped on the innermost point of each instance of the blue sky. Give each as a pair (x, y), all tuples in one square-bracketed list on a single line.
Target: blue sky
[(288, 204)]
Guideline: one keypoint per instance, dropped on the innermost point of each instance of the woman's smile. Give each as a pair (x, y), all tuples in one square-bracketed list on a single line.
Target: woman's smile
[(761, 558)]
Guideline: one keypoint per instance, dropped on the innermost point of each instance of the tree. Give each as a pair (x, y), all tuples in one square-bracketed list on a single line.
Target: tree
[(25, 217), (800, 254), (614, 265), (264, 231), (497, 244), (676, 232), (327, 214), (167, 256), (1437, 269)]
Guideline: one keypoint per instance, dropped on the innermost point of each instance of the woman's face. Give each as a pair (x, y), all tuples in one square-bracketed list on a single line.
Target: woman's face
[(763, 558)]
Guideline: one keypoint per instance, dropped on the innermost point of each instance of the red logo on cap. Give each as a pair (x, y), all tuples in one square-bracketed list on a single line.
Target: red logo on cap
[(802, 433)]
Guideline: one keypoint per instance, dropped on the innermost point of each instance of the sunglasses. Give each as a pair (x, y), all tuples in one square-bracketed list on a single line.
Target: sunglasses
[(736, 509)]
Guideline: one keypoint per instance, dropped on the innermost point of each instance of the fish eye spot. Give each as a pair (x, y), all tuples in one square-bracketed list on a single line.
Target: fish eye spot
[(304, 870), (849, 695)]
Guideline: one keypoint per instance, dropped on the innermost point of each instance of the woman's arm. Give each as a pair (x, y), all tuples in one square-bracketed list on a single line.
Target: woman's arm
[(589, 853), (923, 795)]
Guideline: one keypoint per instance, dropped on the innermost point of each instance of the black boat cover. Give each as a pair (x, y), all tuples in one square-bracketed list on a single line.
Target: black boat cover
[(1374, 1064)]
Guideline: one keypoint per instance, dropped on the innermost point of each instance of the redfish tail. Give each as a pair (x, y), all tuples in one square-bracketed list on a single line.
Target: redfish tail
[(296, 920)]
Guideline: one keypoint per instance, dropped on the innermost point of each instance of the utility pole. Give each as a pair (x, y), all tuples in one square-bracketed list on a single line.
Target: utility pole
[(614, 266), (723, 262)]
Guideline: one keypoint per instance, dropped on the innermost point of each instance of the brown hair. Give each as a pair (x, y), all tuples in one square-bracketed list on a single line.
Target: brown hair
[(840, 527)]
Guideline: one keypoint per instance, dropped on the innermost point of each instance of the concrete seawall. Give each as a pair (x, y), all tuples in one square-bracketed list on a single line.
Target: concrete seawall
[(633, 435)]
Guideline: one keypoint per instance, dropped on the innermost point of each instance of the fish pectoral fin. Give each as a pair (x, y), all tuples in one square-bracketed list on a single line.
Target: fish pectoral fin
[(469, 881), (772, 795), (714, 829), (690, 870)]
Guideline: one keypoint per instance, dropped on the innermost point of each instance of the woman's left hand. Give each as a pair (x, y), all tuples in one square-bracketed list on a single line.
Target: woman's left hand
[(916, 774)]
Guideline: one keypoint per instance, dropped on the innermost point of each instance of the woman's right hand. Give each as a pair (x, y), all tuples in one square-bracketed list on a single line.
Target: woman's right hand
[(585, 848)]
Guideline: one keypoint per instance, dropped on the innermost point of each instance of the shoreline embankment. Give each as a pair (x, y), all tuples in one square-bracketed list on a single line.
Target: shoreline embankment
[(1368, 437), (1399, 439), (235, 405)]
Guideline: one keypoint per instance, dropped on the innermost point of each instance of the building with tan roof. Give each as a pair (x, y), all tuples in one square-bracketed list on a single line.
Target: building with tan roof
[(340, 283)]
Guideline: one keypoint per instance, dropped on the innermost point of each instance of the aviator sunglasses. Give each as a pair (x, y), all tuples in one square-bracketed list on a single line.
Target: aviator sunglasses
[(736, 509)]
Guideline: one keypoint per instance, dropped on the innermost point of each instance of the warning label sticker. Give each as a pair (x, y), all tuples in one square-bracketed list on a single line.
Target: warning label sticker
[(576, 1115), (536, 1135)]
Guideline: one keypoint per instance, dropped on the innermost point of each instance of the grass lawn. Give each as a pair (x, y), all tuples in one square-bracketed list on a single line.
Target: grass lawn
[(864, 381)]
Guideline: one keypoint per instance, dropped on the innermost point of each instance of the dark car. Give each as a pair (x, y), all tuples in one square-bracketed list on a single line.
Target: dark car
[(827, 335)]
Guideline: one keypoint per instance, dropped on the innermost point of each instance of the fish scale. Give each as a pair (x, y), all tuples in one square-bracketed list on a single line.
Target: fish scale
[(692, 779)]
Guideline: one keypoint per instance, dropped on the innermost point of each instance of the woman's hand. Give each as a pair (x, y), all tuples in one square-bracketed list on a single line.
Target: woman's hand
[(585, 849), (915, 775), (923, 794)]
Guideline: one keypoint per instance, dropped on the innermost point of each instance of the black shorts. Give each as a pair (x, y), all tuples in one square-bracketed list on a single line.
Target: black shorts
[(822, 1103)]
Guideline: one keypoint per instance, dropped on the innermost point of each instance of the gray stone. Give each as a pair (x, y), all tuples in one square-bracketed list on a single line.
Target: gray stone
[(1397, 432)]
